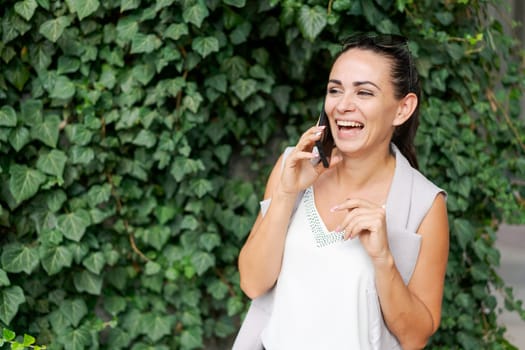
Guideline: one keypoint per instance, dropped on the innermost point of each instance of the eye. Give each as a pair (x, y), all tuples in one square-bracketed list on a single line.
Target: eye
[(333, 90), (365, 93)]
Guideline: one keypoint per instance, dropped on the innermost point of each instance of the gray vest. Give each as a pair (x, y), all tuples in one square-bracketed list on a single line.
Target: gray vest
[(410, 198)]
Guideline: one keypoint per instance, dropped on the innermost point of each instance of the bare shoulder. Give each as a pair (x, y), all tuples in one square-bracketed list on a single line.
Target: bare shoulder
[(427, 282), (436, 219)]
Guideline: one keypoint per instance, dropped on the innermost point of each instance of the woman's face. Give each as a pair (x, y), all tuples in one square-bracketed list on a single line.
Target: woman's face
[(360, 101)]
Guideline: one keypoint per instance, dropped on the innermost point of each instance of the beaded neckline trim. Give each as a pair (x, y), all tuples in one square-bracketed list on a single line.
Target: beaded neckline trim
[(321, 237)]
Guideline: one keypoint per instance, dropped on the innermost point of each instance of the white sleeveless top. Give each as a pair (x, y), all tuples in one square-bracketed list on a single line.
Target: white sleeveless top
[(323, 290)]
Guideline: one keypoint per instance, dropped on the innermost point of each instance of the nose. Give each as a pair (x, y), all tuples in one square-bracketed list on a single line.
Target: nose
[(346, 103)]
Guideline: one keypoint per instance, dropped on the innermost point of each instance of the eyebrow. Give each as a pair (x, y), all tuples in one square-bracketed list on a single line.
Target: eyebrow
[(355, 83)]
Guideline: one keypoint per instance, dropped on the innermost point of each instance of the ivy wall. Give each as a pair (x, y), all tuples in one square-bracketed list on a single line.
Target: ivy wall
[(136, 135)]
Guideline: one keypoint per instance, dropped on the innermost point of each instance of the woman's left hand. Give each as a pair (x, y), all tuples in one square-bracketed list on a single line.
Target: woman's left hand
[(367, 221)]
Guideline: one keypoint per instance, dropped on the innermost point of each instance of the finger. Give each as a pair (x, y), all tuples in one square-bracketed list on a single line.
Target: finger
[(308, 138), (353, 203), (351, 219), (363, 226), (348, 219), (354, 220)]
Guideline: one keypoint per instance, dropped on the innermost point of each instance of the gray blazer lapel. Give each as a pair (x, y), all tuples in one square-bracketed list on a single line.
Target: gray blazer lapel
[(400, 194), (404, 243)]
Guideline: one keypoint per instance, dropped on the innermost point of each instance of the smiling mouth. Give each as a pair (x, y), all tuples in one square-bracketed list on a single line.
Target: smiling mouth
[(349, 125)]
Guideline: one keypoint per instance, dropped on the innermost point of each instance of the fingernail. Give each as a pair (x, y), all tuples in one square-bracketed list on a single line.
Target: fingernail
[(318, 133), (334, 208)]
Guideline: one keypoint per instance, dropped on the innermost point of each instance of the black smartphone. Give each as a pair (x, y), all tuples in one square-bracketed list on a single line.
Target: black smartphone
[(326, 143)]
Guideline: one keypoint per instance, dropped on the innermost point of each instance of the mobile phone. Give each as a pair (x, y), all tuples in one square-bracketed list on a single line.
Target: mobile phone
[(326, 143)]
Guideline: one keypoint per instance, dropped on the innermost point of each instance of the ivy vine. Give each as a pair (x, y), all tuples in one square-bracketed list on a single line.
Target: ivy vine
[(136, 135)]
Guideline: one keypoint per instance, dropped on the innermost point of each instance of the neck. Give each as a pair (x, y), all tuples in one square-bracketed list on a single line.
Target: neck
[(357, 172)]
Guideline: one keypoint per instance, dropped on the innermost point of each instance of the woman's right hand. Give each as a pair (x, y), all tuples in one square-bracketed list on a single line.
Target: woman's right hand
[(298, 171)]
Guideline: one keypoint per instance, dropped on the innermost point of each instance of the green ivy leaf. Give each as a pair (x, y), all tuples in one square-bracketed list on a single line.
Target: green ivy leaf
[(73, 225), (79, 251), (55, 258), (47, 132), (236, 3), (191, 338), (234, 306), (205, 45), (88, 282), (81, 155), (28, 340), (152, 268), (31, 112), (145, 138), (52, 163), (160, 4), (75, 339), (127, 27), (24, 182), (114, 304), (8, 334), (196, 14), (311, 21), (18, 74), (83, 8), (95, 262), (19, 258), (158, 326), (142, 43), (241, 33), (4, 279), (219, 82), (165, 213), (192, 102), (98, 194), (129, 5), (143, 73), (200, 187), (217, 289), (189, 222), (26, 8), (53, 28), (223, 152), (176, 31), (7, 116), (19, 137), (63, 88), (209, 241), (10, 300), (202, 261), (244, 88), (40, 55), (74, 311), (156, 236)]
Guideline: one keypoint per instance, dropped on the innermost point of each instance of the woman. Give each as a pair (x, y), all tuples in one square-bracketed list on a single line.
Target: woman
[(359, 262)]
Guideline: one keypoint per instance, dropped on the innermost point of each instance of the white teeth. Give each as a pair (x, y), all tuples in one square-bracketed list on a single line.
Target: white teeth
[(349, 123)]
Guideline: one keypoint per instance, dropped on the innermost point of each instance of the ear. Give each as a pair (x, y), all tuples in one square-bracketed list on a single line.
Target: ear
[(407, 106)]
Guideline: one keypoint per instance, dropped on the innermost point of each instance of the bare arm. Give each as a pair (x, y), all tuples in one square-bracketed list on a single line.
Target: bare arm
[(260, 257), (413, 313)]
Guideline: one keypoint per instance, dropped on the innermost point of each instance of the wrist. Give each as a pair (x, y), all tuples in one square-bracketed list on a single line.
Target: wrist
[(384, 261), (284, 194)]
